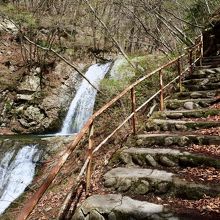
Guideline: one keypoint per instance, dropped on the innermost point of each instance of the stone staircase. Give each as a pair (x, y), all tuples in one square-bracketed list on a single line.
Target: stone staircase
[(211, 62), (173, 164)]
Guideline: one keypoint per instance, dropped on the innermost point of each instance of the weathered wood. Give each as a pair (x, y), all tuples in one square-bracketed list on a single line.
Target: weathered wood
[(133, 107), (89, 168), (179, 74), (161, 91), (190, 61)]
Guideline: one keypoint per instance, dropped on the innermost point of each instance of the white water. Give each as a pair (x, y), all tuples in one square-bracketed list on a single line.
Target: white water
[(82, 105), (16, 173)]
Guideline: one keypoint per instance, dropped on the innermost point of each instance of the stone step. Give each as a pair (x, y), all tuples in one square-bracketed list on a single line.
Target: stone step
[(167, 140), (210, 58), (203, 67), (204, 73), (118, 207), (203, 81), (181, 114), (179, 125), (165, 157), (143, 181), (189, 104), (211, 61), (196, 94), (208, 86)]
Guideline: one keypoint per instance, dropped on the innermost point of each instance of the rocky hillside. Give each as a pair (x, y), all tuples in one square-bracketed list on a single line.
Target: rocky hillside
[(32, 99)]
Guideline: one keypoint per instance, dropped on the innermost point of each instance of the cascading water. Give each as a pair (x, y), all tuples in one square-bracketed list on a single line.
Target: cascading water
[(17, 170), (82, 105), (17, 167)]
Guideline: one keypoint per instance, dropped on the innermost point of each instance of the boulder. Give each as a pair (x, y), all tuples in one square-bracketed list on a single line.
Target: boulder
[(189, 105)]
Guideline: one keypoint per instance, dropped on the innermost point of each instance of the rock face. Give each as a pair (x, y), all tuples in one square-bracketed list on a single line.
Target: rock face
[(37, 102), (33, 98)]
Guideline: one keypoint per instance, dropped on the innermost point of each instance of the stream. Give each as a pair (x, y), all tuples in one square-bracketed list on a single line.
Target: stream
[(17, 169), (18, 161)]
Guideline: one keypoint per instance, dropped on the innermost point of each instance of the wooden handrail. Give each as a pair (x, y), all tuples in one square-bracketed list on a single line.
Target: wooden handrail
[(89, 126)]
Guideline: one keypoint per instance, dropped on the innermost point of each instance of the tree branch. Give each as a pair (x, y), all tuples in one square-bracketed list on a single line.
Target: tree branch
[(113, 39), (64, 59)]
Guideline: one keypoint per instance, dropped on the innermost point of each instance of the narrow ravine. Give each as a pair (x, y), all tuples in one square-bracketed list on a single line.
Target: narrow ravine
[(82, 104)]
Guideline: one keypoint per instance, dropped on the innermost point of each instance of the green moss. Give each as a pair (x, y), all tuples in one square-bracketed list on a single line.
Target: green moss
[(195, 125), (116, 158), (190, 160), (202, 113)]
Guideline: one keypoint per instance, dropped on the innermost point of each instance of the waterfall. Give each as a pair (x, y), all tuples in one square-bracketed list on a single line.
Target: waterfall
[(17, 170), (82, 105)]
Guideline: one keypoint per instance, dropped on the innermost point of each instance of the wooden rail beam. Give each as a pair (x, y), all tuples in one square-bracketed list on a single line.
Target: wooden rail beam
[(161, 91), (89, 167), (133, 107)]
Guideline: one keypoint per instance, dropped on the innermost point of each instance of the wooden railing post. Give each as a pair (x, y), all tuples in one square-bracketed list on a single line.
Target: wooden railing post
[(179, 73), (133, 108), (89, 167), (190, 61), (201, 49), (161, 90)]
